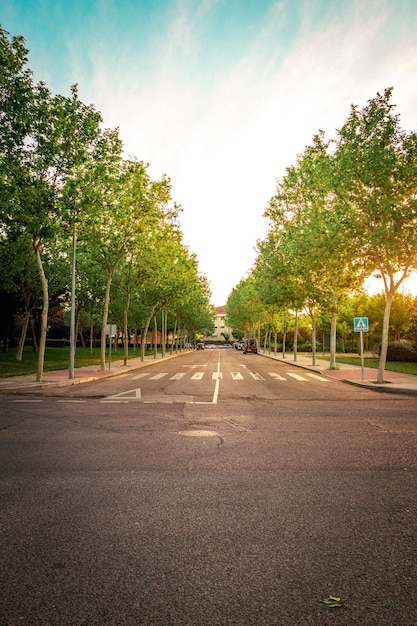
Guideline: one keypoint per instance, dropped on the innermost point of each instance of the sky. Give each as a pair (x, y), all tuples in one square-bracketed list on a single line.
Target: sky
[(222, 95)]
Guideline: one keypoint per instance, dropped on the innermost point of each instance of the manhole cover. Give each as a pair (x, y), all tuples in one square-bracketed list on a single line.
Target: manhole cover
[(198, 433)]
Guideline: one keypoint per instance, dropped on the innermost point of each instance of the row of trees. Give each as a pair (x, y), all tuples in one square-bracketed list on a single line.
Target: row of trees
[(346, 210), (68, 195), (282, 329)]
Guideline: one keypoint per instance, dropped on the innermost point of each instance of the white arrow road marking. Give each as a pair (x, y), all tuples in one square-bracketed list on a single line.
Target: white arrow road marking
[(237, 376)]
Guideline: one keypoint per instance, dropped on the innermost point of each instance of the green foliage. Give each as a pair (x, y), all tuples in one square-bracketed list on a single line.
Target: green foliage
[(62, 175), (401, 351)]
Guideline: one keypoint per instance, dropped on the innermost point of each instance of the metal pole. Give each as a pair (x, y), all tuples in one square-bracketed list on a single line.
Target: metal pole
[(72, 319), (362, 360), (110, 340)]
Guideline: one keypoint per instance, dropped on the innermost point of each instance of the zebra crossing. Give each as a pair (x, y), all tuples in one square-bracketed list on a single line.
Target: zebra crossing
[(236, 376)]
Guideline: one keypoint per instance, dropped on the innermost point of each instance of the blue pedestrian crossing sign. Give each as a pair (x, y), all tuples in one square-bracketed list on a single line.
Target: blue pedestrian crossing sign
[(360, 324)]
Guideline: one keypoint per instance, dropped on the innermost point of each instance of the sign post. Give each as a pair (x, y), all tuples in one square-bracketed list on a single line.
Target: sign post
[(360, 325), (111, 330)]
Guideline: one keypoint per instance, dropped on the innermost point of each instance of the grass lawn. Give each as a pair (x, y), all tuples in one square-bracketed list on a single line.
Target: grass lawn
[(403, 367), (55, 359)]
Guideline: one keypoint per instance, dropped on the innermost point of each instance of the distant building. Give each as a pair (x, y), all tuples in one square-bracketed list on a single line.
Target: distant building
[(220, 328)]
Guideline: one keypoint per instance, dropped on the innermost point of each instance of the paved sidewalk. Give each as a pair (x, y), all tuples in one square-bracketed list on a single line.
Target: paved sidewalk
[(60, 378), (351, 374)]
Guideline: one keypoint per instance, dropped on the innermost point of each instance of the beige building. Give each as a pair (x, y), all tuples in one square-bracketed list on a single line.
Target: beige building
[(220, 327)]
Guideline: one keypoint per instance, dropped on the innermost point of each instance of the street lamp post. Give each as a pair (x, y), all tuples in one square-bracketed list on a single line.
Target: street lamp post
[(72, 318)]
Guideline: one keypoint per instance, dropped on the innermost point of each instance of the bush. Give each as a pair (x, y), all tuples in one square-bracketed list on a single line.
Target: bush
[(400, 351)]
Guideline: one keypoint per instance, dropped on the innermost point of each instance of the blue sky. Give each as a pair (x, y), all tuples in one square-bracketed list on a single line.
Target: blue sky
[(221, 95)]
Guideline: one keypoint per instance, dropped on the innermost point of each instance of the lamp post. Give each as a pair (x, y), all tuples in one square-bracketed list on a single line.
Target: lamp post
[(72, 318)]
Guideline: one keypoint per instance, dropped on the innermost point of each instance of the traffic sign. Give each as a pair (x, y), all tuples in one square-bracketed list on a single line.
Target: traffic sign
[(360, 324)]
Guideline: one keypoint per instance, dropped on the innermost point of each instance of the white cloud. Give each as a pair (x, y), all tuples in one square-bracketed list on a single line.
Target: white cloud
[(225, 138)]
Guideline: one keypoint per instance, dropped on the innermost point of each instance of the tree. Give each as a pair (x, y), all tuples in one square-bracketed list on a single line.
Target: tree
[(315, 248), (375, 183), (44, 138)]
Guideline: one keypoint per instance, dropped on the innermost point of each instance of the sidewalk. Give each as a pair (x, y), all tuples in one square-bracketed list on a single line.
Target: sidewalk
[(351, 374), (89, 373)]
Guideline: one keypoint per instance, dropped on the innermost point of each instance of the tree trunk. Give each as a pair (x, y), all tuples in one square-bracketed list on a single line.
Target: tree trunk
[(173, 336), (35, 346), (384, 341), (313, 339), (104, 323), (295, 336), (19, 355), (125, 328), (332, 364), (144, 337), (91, 333), (44, 315)]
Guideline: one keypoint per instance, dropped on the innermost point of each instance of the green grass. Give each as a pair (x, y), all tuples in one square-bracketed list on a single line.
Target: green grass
[(403, 367), (55, 359)]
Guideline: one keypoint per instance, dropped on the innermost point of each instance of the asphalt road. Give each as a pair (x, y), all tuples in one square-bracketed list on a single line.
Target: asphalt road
[(209, 499)]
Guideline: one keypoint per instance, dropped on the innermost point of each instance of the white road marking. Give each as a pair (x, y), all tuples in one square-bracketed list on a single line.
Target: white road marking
[(277, 376), (131, 394), (318, 377), (297, 376), (256, 376), (237, 376), (141, 375), (177, 376), (197, 376), (217, 387), (158, 376)]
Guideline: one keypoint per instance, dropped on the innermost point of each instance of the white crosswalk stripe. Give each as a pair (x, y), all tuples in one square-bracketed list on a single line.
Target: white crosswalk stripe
[(277, 376), (297, 376), (235, 376), (317, 377), (197, 376), (158, 376), (177, 376), (256, 376)]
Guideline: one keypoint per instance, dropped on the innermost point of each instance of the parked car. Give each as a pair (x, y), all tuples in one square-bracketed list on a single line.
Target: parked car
[(250, 345), (238, 345), (200, 346)]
